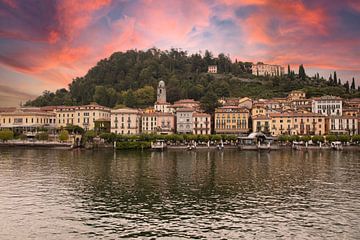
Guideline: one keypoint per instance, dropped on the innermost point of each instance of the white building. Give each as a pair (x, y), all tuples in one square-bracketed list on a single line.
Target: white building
[(262, 69), (184, 120), (327, 105), (212, 69), (343, 125), (125, 121)]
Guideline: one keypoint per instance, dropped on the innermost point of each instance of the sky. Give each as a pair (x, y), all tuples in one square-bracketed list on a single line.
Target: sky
[(44, 44)]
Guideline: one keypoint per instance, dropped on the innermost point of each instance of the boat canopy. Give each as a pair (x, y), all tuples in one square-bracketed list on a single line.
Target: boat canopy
[(256, 135), (255, 138)]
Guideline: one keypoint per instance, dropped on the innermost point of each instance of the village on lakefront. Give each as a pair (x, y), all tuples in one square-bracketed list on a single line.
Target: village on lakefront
[(326, 121)]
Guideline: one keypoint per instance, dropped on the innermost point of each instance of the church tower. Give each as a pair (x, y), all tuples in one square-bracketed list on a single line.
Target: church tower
[(161, 92)]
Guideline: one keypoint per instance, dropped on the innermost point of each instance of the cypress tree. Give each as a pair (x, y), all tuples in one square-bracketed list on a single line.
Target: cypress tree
[(353, 84), (331, 79), (335, 78), (289, 71), (346, 86), (302, 73), (339, 82)]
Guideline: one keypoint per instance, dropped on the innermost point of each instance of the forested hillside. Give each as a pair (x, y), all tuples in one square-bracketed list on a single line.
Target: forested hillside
[(130, 78)]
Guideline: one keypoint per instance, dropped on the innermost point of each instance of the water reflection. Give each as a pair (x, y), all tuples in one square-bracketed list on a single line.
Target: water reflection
[(180, 194)]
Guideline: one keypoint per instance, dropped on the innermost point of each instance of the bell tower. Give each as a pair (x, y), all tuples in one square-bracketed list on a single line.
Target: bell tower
[(161, 92)]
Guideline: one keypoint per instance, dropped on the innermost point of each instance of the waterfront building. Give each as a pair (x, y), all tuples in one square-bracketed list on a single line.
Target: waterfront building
[(261, 69), (212, 69), (165, 123), (82, 116), (148, 122), (327, 105), (125, 121), (26, 121), (184, 120), (261, 123), (297, 123), (343, 125), (232, 120), (158, 122), (202, 123)]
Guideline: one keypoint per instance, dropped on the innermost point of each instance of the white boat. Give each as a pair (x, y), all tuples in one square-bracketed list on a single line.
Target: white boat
[(336, 146), (158, 145)]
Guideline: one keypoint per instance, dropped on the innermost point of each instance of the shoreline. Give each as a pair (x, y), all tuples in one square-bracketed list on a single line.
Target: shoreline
[(69, 146)]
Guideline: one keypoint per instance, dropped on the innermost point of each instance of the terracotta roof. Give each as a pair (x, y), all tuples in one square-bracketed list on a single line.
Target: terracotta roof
[(328, 97), (296, 114), (186, 101), (197, 114), (186, 110), (7, 109)]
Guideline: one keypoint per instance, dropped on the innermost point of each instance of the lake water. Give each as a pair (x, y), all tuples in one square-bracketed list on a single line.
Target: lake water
[(57, 194)]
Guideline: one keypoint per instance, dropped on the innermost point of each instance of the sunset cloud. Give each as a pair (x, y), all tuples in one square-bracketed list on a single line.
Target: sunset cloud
[(55, 41)]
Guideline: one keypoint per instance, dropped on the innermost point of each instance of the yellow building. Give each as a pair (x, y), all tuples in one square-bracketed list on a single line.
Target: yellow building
[(27, 120), (261, 123), (83, 116), (297, 123), (291, 123), (258, 109), (231, 120)]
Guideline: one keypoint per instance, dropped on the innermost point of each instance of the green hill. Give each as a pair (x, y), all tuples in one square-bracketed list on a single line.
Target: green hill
[(130, 78)]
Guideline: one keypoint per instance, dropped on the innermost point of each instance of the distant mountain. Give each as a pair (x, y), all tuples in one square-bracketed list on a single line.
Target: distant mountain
[(130, 78)]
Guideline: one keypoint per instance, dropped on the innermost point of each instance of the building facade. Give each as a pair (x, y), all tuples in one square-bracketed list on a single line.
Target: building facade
[(27, 121), (184, 121), (327, 106), (125, 121), (202, 123), (165, 123), (262, 69), (83, 116), (212, 69), (157, 122), (343, 125), (296, 123), (232, 120)]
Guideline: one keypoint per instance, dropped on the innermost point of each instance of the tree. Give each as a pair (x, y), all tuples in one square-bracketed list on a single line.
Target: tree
[(145, 96), (344, 138), (89, 135), (353, 87), (347, 86), (6, 135), (209, 102), (335, 78), (302, 73), (331, 81), (42, 136), (74, 129), (63, 135), (289, 71), (105, 96), (331, 138), (130, 99)]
